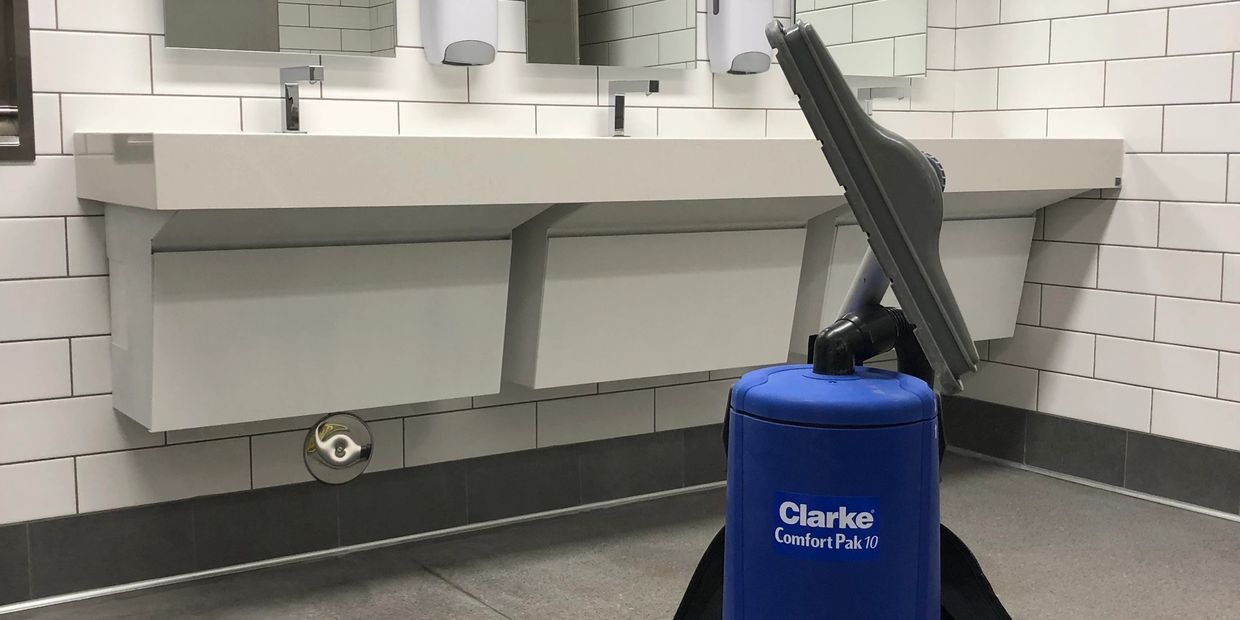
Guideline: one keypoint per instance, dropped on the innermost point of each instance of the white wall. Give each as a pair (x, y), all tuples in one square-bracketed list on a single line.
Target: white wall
[(1131, 297), (1131, 314), (100, 67)]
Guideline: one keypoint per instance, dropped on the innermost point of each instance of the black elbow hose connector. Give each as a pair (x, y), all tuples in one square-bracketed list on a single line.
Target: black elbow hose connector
[(857, 337)]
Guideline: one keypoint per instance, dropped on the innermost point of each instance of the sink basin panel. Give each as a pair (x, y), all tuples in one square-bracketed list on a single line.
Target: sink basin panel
[(608, 308), (246, 335)]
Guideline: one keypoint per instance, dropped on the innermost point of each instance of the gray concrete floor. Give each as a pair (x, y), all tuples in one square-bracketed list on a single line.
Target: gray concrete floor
[(1053, 550)]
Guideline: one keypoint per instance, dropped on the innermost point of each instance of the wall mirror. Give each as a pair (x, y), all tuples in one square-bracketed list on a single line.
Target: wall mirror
[(616, 33), (16, 98), (354, 27), (873, 38)]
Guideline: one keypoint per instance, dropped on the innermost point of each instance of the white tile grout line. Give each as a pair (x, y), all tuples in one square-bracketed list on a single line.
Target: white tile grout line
[(345, 550), (1210, 512)]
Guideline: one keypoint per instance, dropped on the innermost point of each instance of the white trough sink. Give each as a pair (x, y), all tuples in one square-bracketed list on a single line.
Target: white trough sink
[(258, 276)]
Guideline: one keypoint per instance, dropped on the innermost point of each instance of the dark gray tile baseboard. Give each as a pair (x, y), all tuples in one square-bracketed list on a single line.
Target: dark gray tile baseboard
[(14, 564), (82, 552), (1186, 472)]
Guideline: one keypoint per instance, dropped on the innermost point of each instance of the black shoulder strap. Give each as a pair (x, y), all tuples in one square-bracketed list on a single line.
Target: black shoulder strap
[(966, 594), (703, 598)]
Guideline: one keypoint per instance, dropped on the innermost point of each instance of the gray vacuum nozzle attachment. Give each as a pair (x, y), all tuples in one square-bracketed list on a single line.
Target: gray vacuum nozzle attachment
[(895, 192)]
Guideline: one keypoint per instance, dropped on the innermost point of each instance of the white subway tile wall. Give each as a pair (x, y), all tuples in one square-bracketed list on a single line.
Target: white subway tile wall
[(1046, 349), (1229, 376), (1026, 43), (1177, 79), (1001, 124), (1092, 400), (1200, 226), (120, 479), (1075, 85), (1099, 312), (87, 253), (1113, 222), (454, 119), (144, 16), (1014, 386), (1157, 365), (1089, 346), (1025, 10), (976, 12), (1067, 264), (467, 434), (1175, 177), (92, 365), (589, 418), (1030, 310), (42, 13), (34, 370), (1203, 128), (910, 124), (276, 459), (46, 124), (32, 248), (1231, 278), (1160, 272), (1123, 35), (1200, 420), (1140, 127), (37, 490), (1150, 272), (696, 404), (1233, 161)]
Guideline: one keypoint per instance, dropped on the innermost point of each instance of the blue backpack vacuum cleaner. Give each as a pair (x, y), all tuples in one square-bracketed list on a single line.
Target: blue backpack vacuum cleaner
[(833, 467)]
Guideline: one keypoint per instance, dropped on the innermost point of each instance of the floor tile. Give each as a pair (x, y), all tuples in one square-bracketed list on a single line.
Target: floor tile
[(357, 586), (629, 562), (1052, 549)]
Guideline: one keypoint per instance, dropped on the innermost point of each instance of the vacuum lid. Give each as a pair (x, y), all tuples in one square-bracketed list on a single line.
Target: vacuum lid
[(870, 397)]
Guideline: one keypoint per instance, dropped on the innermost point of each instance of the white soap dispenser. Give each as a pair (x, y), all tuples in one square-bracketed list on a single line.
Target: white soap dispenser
[(460, 32), (736, 35)]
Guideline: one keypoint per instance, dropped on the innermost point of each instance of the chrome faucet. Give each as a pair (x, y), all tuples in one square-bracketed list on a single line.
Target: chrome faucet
[(616, 91), (290, 86)]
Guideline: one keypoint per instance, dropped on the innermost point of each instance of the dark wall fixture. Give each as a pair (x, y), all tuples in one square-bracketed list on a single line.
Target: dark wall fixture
[(16, 102)]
